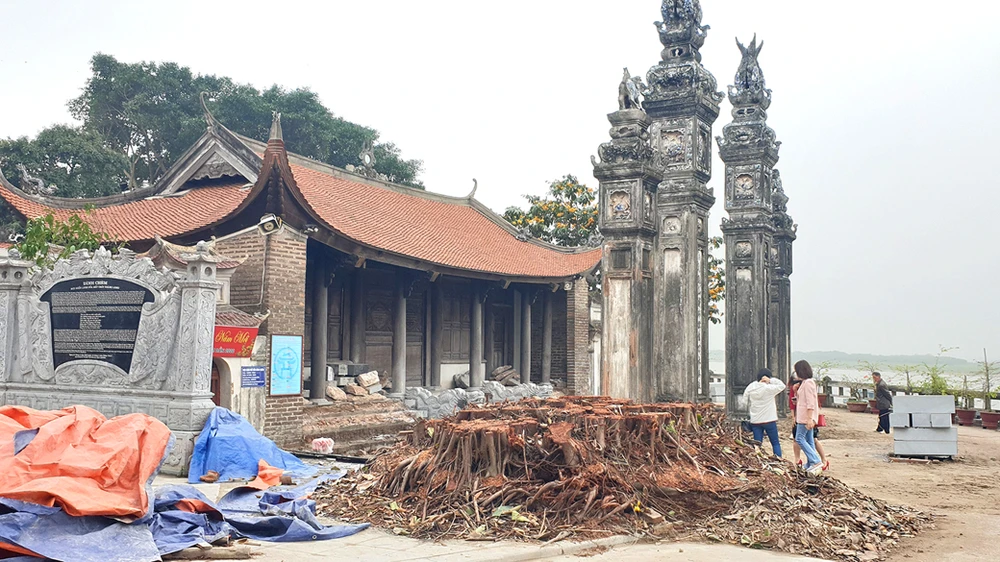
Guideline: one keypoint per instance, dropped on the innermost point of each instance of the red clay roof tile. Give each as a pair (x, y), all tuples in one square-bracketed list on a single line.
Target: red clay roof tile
[(449, 234), (147, 218)]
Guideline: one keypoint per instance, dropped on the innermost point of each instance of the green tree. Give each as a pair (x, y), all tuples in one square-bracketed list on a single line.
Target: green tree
[(908, 371), (151, 112), (71, 159), (987, 372), (46, 239), (716, 280), (935, 381), (567, 216)]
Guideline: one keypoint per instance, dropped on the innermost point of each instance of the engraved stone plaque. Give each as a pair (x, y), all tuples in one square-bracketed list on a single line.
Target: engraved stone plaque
[(95, 319)]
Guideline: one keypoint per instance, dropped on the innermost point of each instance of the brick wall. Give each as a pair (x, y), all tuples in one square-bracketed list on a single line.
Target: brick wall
[(558, 336), (284, 293), (578, 338)]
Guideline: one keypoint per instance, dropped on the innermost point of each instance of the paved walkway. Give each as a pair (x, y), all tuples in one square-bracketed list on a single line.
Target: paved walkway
[(375, 545)]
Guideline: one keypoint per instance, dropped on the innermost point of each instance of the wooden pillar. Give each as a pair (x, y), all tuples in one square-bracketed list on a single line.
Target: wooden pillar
[(320, 327), (547, 338), (476, 337), (490, 330), (357, 316), (399, 337), (437, 331), (526, 298)]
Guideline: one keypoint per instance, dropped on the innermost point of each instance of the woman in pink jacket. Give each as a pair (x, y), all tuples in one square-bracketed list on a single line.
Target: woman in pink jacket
[(807, 416)]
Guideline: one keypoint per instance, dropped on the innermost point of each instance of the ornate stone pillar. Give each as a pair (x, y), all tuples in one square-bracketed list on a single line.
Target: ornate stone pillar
[(193, 368), (749, 149), (781, 289), (628, 177), (13, 272), (682, 102)]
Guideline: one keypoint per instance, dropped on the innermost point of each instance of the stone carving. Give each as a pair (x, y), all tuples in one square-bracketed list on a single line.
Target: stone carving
[(125, 265), (379, 316), (673, 147), (749, 86), (744, 249), (367, 168), (150, 362), (4, 307), (671, 225), (681, 23), (33, 185), (705, 149), (635, 150), (216, 167), (743, 186), (619, 205), (647, 205), (170, 377), (595, 240), (630, 91)]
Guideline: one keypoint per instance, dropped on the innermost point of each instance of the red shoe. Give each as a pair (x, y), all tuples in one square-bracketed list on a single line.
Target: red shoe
[(799, 462), (826, 466)]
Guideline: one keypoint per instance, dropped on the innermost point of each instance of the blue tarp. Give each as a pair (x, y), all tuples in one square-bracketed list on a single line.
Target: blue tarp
[(229, 445)]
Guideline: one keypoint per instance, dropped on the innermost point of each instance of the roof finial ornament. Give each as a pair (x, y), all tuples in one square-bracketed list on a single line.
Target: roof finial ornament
[(210, 120), (749, 87), (275, 127), (32, 185), (630, 91), (475, 186)]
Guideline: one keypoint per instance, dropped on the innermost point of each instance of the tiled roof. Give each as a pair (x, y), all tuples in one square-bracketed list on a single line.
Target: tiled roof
[(146, 218), (449, 234), (226, 315)]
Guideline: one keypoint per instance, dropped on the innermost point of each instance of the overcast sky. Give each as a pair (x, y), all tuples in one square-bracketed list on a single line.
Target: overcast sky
[(885, 110)]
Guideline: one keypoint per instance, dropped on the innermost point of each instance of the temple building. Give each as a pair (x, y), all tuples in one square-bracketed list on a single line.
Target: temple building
[(365, 274)]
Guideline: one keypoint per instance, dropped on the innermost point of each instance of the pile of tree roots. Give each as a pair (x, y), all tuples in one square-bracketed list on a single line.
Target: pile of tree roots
[(585, 467)]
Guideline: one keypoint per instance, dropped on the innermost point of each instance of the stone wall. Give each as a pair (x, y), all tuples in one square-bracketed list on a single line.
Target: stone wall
[(578, 368), (433, 405), (169, 374)]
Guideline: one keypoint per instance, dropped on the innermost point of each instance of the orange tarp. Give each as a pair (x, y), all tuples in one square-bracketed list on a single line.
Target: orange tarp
[(80, 460)]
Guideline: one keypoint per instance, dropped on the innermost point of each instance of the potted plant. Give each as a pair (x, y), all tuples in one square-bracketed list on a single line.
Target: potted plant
[(855, 383), (991, 417), (857, 406), (965, 403)]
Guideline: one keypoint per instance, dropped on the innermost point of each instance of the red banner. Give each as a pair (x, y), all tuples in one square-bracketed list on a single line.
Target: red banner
[(233, 342)]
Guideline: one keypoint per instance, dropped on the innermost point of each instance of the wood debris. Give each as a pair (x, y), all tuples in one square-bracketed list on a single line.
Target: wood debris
[(585, 467)]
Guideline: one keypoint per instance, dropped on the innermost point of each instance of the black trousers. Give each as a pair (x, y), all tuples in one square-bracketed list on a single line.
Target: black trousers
[(883, 420)]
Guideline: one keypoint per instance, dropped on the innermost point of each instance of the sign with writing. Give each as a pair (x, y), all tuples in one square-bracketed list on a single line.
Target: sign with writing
[(231, 341), (253, 377), (95, 319), (286, 365)]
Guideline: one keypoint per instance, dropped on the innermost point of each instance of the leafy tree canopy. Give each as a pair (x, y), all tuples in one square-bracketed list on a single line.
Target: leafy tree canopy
[(74, 161), (567, 216), (138, 118), (46, 239)]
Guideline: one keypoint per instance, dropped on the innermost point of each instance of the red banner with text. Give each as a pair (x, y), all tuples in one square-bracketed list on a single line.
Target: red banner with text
[(232, 341)]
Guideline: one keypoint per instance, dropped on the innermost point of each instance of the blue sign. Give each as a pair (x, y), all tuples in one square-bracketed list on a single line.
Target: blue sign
[(286, 365), (253, 377)]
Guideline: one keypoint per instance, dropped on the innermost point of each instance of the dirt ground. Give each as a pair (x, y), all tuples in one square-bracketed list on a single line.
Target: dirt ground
[(963, 494)]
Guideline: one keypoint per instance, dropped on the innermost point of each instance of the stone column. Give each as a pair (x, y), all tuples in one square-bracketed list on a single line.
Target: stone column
[(476, 338), (399, 338), (13, 272), (750, 151), (193, 361), (579, 368), (526, 298), (489, 329), (357, 316), (320, 326), (547, 338), (437, 333)]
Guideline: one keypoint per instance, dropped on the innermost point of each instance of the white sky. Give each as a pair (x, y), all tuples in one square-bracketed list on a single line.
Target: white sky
[(884, 108)]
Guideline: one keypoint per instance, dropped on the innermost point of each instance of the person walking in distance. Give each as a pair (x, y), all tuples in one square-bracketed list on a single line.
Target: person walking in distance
[(883, 401), (763, 412), (807, 416)]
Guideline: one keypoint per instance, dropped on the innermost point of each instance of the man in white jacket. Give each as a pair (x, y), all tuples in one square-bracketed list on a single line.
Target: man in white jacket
[(763, 411)]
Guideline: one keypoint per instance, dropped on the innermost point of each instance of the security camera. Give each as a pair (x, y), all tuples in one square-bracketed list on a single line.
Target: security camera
[(269, 224)]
